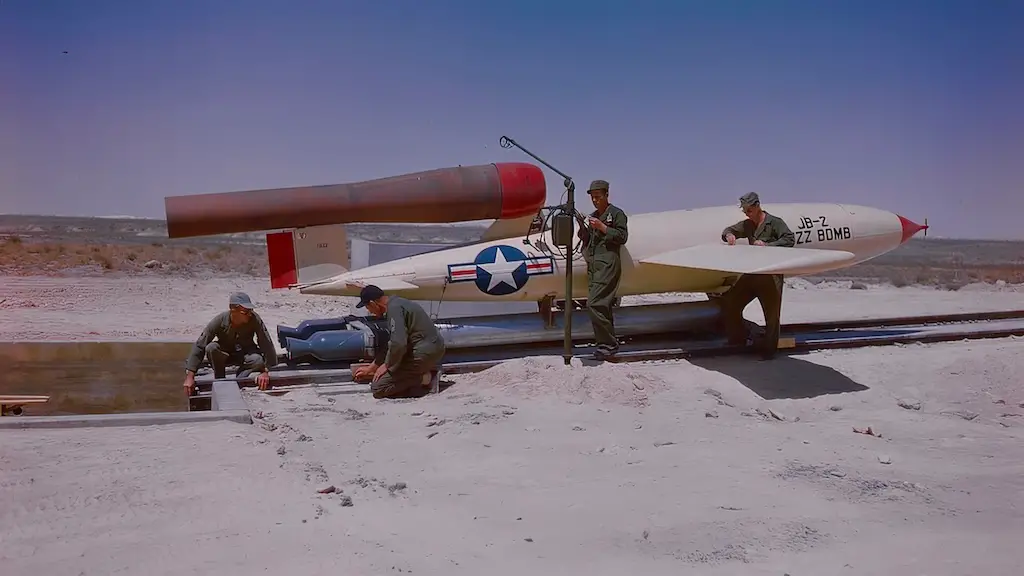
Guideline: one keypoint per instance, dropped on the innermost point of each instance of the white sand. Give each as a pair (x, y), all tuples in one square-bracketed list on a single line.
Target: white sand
[(539, 479), (716, 466)]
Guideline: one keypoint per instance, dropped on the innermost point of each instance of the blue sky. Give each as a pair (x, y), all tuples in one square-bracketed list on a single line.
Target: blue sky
[(912, 106)]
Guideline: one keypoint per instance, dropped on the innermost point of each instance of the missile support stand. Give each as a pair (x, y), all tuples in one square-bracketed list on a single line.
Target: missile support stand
[(562, 233)]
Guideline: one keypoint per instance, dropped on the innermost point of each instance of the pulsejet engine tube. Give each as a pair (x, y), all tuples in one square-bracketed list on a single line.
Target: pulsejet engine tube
[(352, 339), (491, 191)]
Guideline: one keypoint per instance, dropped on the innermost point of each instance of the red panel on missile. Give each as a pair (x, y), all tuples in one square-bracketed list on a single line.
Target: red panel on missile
[(460, 194), (523, 189), (281, 257)]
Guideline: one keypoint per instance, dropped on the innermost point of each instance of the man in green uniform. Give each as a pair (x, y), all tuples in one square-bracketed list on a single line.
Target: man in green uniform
[(607, 232), (760, 229), (236, 337), (415, 348)]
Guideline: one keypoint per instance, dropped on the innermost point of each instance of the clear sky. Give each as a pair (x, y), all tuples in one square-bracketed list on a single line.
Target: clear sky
[(915, 106)]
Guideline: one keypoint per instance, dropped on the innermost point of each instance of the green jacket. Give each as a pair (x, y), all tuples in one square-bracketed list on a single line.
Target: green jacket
[(773, 231), (411, 330), (247, 338), (602, 245)]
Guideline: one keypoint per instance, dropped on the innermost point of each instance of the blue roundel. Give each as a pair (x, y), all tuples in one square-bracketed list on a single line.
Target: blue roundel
[(500, 270)]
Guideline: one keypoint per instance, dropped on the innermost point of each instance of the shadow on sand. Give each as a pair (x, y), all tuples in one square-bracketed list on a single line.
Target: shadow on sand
[(784, 377)]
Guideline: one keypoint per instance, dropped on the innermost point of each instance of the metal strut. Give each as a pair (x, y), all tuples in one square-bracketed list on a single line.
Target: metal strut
[(567, 209)]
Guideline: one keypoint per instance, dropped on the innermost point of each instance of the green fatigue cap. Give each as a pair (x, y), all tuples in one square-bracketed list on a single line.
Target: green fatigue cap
[(240, 299), (598, 185), (749, 199)]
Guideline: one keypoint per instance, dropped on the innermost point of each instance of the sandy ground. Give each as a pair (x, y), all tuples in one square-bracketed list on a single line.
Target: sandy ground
[(46, 308), (715, 466), (660, 468)]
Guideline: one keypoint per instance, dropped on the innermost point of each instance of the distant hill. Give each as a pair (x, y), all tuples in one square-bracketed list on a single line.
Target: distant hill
[(131, 229)]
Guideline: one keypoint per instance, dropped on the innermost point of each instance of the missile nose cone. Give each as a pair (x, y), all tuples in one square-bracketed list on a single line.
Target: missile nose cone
[(910, 228)]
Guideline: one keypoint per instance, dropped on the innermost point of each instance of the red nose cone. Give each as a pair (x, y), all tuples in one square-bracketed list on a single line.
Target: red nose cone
[(523, 189), (910, 228)]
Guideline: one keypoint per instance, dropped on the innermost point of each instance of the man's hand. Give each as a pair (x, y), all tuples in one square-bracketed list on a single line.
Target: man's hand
[(596, 223), (381, 370), (366, 371), (758, 242), (263, 380), (731, 239), (190, 384)]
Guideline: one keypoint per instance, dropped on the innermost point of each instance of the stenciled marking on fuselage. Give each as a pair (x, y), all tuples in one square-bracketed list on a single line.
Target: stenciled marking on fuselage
[(501, 270), (810, 229)]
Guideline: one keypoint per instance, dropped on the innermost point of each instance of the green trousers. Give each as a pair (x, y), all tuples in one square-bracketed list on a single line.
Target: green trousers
[(410, 379), (247, 362), (603, 276), (767, 288)]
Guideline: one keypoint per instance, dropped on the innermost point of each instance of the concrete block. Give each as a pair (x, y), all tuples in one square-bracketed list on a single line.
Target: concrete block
[(227, 396), (126, 419)]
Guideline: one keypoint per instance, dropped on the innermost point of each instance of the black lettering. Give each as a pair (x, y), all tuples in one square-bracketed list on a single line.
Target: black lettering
[(803, 236), (823, 222), (805, 223), (321, 245), (830, 234)]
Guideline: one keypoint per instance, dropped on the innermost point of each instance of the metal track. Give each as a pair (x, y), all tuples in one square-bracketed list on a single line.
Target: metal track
[(905, 321), (800, 337)]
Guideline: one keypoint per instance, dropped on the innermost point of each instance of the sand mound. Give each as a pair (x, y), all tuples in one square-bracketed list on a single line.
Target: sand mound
[(548, 375)]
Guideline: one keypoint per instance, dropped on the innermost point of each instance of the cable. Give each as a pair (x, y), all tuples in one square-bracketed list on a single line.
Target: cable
[(506, 142)]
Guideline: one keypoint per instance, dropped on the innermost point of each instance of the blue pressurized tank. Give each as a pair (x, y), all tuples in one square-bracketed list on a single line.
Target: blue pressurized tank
[(352, 338), (307, 328), (347, 339)]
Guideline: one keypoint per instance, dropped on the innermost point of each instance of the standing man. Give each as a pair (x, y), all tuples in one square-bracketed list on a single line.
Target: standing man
[(236, 337), (760, 229), (607, 233), (414, 350)]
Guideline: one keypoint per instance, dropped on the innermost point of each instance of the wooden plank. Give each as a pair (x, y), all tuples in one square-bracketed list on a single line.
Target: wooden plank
[(23, 399)]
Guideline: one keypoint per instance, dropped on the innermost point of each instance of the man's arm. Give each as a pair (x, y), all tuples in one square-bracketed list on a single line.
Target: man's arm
[(783, 235), (738, 230), (195, 358), (380, 341), (266, 344), (399, 341), (618, 231)]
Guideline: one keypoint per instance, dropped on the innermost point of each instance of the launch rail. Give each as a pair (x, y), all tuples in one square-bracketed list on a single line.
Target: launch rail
[(795, 338)]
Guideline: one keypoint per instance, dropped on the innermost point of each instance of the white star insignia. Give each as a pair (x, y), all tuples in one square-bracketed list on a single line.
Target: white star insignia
[(501, 271)]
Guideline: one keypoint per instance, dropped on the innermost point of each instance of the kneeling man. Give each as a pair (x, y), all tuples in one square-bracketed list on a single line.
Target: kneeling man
[(415, 348)]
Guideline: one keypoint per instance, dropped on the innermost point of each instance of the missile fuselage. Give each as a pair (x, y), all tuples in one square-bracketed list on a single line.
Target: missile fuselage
[(530, 267), (492, 191)]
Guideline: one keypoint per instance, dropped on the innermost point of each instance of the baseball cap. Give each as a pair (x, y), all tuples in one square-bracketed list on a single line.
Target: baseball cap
[(240, 299), (369, 293), (749, 199)]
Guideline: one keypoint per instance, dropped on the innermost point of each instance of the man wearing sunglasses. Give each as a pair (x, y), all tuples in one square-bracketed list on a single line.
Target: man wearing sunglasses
[(235, 337), (760, 229)]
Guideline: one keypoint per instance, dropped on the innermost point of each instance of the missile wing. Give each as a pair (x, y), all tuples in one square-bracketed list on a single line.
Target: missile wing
[(386, 283), (749, 259)]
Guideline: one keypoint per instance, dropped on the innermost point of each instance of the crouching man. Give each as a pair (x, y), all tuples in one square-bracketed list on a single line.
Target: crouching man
[(415, 348), (235, 337)]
